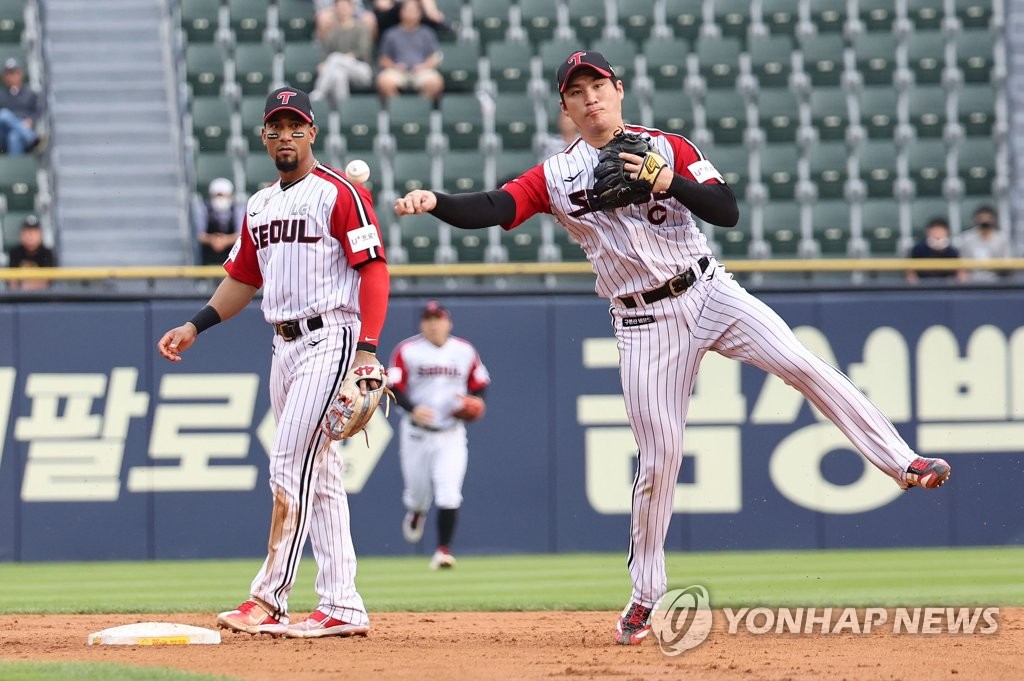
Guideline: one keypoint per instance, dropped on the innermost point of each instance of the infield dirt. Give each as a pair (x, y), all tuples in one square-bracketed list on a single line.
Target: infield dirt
[(530, 645)]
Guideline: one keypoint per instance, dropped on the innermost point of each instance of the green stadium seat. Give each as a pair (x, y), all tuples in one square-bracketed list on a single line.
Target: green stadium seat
[(11, 223), (462, 120), (621, 55), (587, 20), (828, 16), (779, 16), (460, 67), (726, 116), (829, 113), (463, 172), (552, 53), (828, 168), (771, 60), (254, 68), (732, 17), (636, 20), (823, 58), (490, 19), (204, 69), (419, 236), (923, 210), (974, 13), (523, 243), (831, 220), (411, 170), (511, 164), (876, 57), (514, 121), (199, 19), (248, 19), (779, 170), (470, 245), (778, 115), (926, 56), (927, 165), (359, 121), (881, 226), (211, 166), (733, 162), (926, 14), (259, 171), (977, 110), (251, 112), (666, 62), (782, 227), (410, 121), (673, 111), (211, 123), (18, 181), (719, 61), (976, 163), (878, 167), (12, 21), (540, 18), (974, 55), (877, 15), (878, 111), (631, 110), (735, 241), (570, 248), (510, 65), (295, 20), (300, 64), (927, 110), (684, 18)]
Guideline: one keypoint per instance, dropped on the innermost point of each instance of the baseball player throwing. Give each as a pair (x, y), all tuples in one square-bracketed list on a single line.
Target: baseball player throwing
[(312, 243), (671, 301), (439, 381)]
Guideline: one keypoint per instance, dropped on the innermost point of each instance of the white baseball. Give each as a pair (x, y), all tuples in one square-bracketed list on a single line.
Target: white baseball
[(358, 171)]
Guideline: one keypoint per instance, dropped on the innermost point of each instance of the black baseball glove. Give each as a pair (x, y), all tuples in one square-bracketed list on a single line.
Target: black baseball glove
[(612, 186)]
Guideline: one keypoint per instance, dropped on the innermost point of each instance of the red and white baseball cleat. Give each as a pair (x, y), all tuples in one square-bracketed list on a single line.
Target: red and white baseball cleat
[(634, 624), (927, 473), (252, 617), (412, 526), (442, 559), (319, 624)]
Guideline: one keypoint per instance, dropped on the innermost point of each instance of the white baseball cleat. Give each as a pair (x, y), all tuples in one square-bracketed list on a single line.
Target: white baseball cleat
[(412, 526), (319, 624), (442, 559), (252, 617)]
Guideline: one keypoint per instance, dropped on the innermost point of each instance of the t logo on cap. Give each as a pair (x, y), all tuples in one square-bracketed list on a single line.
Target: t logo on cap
[(285, 96)]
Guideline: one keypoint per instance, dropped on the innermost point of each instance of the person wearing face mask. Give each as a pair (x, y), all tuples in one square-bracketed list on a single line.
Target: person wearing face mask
[(218, 222), (935, 244), (984, 242)]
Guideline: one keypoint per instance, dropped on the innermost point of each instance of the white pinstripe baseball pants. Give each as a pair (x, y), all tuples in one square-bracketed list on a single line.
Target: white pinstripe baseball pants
[(658, 365), (306, 477)]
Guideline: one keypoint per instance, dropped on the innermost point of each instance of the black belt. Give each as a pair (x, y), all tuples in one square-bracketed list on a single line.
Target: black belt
[(673, 287), (293, 329)]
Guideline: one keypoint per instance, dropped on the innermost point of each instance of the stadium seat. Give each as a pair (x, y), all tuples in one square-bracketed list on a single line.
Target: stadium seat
[(294, 20), (977, 109), (621, 55), (666, 61), (926, 56), (719, 61), (510, 65), (726, 116), (823, 58), (10, 224), (778, 115), (976, 163), (771, 60), (732, 17), (248, 20), (18, 181), (540, 18), (211, 123), (782, 227), (878, 167), (829, 113), (470, 245), (881, 226), (411, 171), (463, 172), (199, 20), (462, 120), (735, 241), (974, 13), (587, 19), (923, 210), (927, 166), (636, 20), (419, 236), (927, 110), (210, 166), (828, 16), (570, 248), (359, 121), (779, 170), (733, 162), (877, 15), (410, 121), (514, 121), (878, 111), (254, 68), (926, 14), (779, 16), (974, 55), (552, 53), (523, 242), (204, 69), (684, 18), (300, 64), (673, 111), (490, 19), (509, 165), (828, 168), (259, 171), (460, 67), (876, 57), (251, 110), (831, 220)]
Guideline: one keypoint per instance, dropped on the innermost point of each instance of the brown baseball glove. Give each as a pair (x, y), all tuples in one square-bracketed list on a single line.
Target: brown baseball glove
[(354, 404)]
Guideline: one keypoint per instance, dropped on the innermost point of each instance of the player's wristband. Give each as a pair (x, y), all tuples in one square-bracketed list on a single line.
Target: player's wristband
[(205, 318), (363, 346)]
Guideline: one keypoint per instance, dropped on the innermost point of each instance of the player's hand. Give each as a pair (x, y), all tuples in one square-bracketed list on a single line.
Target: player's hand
[(177, 341), (632, 166), (423, 416), (364, 358), (416, 201)]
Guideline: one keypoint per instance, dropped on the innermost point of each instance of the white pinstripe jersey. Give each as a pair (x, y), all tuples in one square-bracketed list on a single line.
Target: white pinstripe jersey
[(632, 249), (302, 243)]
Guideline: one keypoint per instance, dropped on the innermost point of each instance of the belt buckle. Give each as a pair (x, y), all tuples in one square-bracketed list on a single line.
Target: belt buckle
[(678, 284), (288, 330)]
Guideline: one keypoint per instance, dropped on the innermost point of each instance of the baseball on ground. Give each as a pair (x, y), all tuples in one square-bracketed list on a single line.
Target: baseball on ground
[(358, 171)]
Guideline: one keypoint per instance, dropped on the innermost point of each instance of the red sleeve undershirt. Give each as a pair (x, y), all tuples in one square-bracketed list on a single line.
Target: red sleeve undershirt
[(374, 289)]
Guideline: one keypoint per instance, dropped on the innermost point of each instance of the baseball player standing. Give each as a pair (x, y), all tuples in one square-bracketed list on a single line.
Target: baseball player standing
[(671, 302), (312, 243), (439, 381)]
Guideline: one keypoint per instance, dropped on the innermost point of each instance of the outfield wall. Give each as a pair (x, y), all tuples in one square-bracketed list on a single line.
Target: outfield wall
[(110, 452)]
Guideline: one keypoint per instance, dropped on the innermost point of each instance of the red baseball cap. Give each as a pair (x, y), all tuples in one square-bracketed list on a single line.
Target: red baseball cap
[(288, 99), (583, 60), (434, 309)]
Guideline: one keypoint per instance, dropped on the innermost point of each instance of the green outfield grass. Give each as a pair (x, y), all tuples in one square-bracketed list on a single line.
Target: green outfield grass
[(83, 671), (960, 576)]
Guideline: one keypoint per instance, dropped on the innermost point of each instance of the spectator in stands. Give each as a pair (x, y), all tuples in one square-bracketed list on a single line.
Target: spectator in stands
[(30, 252), (20, 108), (554, 143), (388, 14), (983, 242), (348, 50), (936, 244), (409, 55), (218, 222), (326, 17)]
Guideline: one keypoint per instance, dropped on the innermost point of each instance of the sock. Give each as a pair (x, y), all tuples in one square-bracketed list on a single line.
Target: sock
[(446, 525)]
